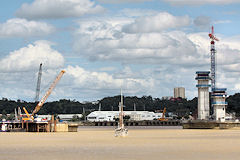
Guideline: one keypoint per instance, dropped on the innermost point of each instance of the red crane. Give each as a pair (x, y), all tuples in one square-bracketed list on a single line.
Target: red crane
[(212, 36), (213, 58)]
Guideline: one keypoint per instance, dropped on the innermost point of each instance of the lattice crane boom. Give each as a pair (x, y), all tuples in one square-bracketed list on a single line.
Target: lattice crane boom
[(44, 98), (38, 83), (213, 58)]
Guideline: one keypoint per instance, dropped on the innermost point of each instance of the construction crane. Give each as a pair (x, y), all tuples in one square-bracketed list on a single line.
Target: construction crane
[(44, 98), (163, 118), (38, 83), (213, 58)]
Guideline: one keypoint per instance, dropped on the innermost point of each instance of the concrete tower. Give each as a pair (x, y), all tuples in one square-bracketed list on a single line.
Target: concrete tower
[(219, 104), (203, 94)]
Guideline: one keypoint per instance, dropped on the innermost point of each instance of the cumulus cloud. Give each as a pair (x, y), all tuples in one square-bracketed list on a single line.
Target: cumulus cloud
[(108, 42), (179, 52), (105, 83), (130, 12), (202, 22), (22, 28), (30, 57), (22, 85), (156, 23), (45, 9), (123, 1), (103, 80), (202, 2)]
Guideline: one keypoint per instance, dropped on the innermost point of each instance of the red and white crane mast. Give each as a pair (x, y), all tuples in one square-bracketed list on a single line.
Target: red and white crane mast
[(213, 58)]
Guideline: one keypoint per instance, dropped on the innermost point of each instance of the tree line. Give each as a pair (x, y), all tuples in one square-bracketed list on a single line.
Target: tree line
[(179, 107)]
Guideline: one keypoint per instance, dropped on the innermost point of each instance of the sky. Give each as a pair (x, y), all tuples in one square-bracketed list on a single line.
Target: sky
[(145, 47)]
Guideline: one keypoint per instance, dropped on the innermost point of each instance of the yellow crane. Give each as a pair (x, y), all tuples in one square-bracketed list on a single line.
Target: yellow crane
[(163, 118), (44, 98)]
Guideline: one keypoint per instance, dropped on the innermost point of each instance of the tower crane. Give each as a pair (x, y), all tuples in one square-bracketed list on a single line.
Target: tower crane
[(38, 83), (213, 58), (44, 98)]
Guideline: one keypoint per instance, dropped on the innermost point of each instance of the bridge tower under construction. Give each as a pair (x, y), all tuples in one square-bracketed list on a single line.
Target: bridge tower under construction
[(203, 94)]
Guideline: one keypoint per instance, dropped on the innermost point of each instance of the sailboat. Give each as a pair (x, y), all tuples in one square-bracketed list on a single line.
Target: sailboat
[(121, 131)]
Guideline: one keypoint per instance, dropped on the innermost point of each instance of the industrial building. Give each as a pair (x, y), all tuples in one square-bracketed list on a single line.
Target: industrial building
[(203, 94), (100, 116), (63, 117), (179, 92)]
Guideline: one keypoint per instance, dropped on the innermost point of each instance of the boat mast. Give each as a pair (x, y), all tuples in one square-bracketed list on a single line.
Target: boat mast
[(121, 125)]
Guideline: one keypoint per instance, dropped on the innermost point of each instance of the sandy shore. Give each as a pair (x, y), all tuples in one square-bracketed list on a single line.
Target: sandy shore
[(141, 144)]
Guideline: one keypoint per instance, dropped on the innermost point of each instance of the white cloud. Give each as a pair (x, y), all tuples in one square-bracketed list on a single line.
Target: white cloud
[(202, 2), (222, 21), (157, 23), (102, 80), (28, 58), (108, 42), (203, 22), (179, 53), (130, 12), (104, 83), (123, 1), (45, 9), (22, 85), (22, 28)]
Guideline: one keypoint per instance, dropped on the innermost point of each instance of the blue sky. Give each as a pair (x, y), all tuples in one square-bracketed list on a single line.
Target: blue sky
[(146, 47)]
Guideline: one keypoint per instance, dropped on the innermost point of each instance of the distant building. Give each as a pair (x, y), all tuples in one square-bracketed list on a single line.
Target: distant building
[(100, 116), (179, 92), (167, 97), (63, 117)]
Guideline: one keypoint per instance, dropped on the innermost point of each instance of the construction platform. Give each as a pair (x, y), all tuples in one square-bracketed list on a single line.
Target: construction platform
[(203, 124), (42, 126)]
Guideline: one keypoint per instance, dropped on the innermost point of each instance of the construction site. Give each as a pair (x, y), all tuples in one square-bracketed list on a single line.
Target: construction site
[(31, 122), (218, 98)]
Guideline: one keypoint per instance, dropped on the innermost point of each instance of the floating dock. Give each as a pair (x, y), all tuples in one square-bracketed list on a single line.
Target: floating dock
[(137, 123), (203, 124)]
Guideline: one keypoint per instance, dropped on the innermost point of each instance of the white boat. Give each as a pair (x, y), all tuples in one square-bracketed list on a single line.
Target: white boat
[(121, 131)]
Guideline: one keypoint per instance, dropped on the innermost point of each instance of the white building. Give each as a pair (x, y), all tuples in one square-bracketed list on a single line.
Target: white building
[(100, 116), (64, 117), (68, 117)]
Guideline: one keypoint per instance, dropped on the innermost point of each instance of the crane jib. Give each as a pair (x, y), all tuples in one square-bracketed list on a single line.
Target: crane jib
[(44, 98)]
